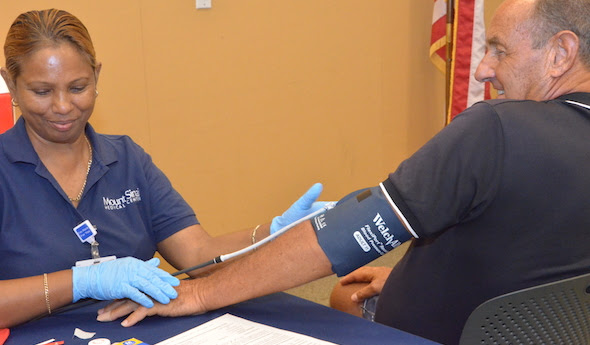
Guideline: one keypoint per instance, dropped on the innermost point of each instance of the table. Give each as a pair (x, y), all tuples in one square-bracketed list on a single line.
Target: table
[(279, 310)]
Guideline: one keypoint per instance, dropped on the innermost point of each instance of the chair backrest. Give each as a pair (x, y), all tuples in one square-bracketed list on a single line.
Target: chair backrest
[(553, 313)]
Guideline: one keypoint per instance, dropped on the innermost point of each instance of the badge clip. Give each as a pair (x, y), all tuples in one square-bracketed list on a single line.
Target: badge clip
[(86, 232)]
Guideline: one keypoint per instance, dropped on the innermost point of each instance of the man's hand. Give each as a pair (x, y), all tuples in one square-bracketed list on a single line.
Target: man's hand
[(375, 277), (187, 303), (299, 259)]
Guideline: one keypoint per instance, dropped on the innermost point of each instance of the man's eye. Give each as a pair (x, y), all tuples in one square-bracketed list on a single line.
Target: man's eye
[(499, 52)]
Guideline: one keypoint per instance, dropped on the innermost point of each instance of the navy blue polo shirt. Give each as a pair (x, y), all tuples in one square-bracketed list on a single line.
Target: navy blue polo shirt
[(499, 199), (130, 201)]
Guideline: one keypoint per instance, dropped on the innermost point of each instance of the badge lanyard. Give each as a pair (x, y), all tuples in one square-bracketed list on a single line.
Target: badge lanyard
[(86, 232)]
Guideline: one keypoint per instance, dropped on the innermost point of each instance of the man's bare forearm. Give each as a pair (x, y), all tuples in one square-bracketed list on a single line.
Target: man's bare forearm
[(292, 259)]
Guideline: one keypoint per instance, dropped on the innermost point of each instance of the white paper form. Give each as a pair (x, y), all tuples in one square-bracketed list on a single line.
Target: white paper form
[(232, 330)]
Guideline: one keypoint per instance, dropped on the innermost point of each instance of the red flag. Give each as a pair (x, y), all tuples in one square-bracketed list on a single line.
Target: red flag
[(468, 48), (6, 111)]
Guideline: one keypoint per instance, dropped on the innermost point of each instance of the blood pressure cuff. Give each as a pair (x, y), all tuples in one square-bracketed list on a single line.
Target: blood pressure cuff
[(362, 227)]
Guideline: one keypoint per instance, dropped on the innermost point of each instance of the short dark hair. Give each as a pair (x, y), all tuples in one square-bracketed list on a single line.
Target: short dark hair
[(34, 30)]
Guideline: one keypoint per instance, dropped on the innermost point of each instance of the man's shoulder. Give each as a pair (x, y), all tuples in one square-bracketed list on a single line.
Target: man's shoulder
[(508, 108), (579, 97), (505, 105)]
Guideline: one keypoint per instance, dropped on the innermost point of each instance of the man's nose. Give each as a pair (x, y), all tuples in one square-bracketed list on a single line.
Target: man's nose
[(485, 71)]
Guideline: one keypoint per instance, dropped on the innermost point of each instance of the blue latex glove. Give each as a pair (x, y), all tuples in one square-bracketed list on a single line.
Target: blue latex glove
[(307, 204), (125, 278)]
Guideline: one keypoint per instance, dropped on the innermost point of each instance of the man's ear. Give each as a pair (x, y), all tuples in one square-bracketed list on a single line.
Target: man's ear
[(565, 46)]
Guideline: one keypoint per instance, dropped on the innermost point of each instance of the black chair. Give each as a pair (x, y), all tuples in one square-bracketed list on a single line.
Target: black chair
[(548, 314)]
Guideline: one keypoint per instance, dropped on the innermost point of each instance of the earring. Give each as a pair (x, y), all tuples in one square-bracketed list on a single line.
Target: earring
[(95, 92), (14, 103)]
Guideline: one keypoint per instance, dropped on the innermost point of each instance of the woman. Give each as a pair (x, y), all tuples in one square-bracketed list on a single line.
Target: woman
[(65, 189)]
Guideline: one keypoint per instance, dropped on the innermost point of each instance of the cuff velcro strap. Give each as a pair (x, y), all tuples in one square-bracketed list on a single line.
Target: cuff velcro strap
[(362, 227)]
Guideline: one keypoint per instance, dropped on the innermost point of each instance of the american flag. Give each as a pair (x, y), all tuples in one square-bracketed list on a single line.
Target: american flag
[(6, 111), (463, 40)]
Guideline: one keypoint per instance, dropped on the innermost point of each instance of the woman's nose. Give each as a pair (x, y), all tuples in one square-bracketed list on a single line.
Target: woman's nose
[(62, 104)]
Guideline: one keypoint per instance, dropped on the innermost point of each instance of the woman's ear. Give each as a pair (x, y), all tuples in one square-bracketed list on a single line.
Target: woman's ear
[(97, 72)]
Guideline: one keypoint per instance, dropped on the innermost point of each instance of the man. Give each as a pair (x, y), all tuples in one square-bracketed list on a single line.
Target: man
[(495, 202)]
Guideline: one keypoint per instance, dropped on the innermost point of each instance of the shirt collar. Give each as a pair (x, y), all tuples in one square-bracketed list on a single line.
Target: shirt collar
[(580, 97)]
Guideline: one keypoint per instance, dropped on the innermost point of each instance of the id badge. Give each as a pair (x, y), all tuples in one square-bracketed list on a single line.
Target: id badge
[(90, 262)]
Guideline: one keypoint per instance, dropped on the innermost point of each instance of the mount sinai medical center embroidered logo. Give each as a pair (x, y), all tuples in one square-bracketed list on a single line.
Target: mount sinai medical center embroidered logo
[(129, 197)]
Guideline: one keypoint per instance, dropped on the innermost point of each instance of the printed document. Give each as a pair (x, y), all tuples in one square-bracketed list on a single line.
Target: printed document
[(232, 330)]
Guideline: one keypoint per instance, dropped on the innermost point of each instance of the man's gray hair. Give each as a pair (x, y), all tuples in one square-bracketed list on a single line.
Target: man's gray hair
[(552, 16)]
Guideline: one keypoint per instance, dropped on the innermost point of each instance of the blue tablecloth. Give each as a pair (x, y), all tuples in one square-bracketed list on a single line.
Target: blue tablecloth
[(279, 310)]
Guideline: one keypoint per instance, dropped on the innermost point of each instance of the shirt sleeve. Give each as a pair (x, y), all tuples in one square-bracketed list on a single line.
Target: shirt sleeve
[(169, 211), (454, 176)]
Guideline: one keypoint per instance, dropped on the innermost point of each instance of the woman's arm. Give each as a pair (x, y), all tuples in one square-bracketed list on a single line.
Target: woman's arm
[(24, 299), (193, 245)]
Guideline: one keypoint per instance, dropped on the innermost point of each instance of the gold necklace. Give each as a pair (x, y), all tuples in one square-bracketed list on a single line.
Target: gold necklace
[(79, 196)]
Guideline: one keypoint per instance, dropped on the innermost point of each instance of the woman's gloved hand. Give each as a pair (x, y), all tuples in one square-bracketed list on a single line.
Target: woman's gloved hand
[(124, 278), (306, 205)]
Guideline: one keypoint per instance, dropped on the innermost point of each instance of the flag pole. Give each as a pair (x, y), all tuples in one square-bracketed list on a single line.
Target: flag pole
[(449, 56)]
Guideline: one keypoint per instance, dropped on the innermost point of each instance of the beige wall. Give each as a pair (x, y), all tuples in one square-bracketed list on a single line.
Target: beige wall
[(247, 104)]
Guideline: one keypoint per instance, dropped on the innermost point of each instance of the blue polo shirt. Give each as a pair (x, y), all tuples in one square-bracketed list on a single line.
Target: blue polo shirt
[(130, 201)]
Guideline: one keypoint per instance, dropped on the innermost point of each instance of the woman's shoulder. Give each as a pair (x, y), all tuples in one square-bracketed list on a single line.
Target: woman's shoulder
[(113, 147), (116, 141)]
